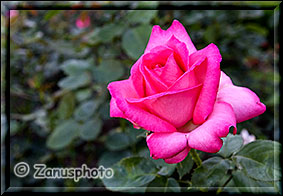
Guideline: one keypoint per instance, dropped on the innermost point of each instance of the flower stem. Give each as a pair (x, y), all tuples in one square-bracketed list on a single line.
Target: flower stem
[(195, 157)]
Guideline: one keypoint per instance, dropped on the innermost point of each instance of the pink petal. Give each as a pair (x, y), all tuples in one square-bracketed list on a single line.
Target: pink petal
[(147, 68), (14, 13), (114, 110), (181, 53), (83, 21), (171, 71), (137, 78), (153, 84), (157, 55), (179, 157), (160, 37), (224, 80), (207, 136), (120, 91), (245, 102), (209, 73), (176, 107), (166, 145), (188, 79)]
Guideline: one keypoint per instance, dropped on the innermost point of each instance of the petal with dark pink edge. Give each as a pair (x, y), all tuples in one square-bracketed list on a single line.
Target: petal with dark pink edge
[(160, 37), (175, 107), (206, 137), (209, 73), (178, 157), (166, 145), (120, 91), (245, 102)]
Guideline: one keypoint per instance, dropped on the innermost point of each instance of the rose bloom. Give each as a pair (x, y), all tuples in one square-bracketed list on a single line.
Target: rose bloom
[(181, 96), (247, 138), (83, 21), (14, 13)]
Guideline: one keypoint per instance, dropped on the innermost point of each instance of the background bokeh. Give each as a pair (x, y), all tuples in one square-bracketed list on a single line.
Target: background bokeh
[(62, 60)]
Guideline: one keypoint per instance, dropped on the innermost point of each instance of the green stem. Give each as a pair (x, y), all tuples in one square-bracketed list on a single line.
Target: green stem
[(123, 125), (195, 157), (219, 190)]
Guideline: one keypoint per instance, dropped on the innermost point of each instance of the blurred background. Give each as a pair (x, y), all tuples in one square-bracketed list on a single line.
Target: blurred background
[(62, 60)]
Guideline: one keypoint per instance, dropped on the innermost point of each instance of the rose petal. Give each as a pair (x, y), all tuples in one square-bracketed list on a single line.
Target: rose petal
[(120, 91), (153, 84), (157, 55), (137, 79), (171, 71), (209, 73), (179, 157), (181, 53), (166, 145), (246, 104), (160, 37), (176, 107), (114, 110), (188, 79), (207, 136), (224, 80)]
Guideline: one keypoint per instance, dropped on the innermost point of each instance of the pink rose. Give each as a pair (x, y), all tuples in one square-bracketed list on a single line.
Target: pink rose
[(83, 21), (180, 94), (14, 13)]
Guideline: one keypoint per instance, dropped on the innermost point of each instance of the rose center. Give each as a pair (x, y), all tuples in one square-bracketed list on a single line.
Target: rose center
[(158, 69)]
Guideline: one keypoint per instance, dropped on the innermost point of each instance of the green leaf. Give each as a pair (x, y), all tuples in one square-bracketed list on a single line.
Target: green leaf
[(244, 183), (256, 28), (259, 160), (91, 129), (134, 40), (185, 166), (172, 185), (75, 67), (75, 81), (212, 173), (231, 144), (163, 184), (50, 14), (130, 173), (83, 94), (63, 134), (157, 185), (109, 31), (117, 141), (164, 168), (108, 70), (106, 33), (109, 158), (133, 134), (66, 106), (141, 16), (104, 111), (85, 110)]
